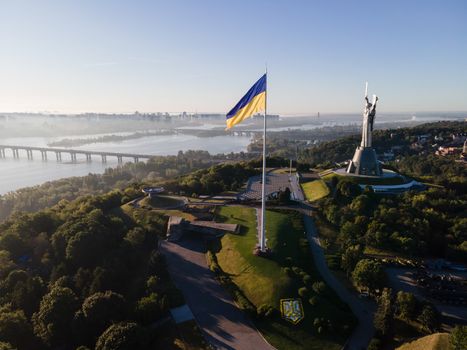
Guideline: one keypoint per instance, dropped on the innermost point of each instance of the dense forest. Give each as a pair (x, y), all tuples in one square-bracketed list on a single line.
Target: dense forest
[(82, 274), (398, 140), (432, 223), (214, 180)]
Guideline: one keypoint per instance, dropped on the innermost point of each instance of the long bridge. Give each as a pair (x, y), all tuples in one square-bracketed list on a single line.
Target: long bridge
[(28, 150)]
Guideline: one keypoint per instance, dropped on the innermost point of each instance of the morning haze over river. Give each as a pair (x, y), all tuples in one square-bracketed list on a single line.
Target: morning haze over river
[(151, 135)]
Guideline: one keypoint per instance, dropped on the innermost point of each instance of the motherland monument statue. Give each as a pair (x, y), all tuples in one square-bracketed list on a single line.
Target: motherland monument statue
[(364, 161)]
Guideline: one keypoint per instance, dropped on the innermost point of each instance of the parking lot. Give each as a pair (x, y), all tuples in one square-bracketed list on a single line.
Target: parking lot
[(408, 279)]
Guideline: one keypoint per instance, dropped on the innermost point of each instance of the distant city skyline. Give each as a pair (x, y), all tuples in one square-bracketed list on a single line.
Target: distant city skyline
[(175, 56)]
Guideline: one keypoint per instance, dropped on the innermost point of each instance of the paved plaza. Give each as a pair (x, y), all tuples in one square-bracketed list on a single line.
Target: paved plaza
[(274, 183)]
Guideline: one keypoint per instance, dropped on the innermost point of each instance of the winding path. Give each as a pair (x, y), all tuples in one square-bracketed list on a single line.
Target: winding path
[(223, 324), (362, 309)]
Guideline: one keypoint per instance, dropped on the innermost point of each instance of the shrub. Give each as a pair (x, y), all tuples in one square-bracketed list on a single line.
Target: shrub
[(6, 346), (307, 280), (375, 344), (429, 318), (288, 261), (265, 311), (369, 274), (296, 270), (313, 301), (121, 336), (319, 287), (303, 292), (459, 338)]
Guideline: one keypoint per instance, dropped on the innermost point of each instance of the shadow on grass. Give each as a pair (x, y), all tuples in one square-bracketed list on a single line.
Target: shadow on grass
[(214, 245), (271, 328)]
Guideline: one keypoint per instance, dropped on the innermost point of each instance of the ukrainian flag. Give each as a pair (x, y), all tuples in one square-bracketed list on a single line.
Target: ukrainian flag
[(253, 102)]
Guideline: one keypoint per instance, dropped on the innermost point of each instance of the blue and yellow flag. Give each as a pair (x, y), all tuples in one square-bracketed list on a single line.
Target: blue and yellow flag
[(253, 102)]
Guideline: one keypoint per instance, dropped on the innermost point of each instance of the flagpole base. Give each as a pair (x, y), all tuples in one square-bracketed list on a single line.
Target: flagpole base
[(264, 253)]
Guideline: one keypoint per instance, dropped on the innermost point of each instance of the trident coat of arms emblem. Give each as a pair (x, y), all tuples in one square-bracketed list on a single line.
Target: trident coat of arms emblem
[(292, 310)]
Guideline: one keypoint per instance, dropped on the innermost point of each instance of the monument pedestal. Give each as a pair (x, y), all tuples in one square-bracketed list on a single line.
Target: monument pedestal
[(364, 162)]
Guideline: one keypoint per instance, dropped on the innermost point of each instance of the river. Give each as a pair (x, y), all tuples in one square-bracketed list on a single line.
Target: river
[(18, 173)]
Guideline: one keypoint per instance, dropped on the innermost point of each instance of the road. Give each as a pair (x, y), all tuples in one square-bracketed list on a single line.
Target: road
[(362, 309), (223, 324)]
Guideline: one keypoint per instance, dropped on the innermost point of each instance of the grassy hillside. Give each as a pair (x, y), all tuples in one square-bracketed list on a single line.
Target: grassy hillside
[(267, 280), (260, 279), (161, 202), (315, 190), (437, 341)]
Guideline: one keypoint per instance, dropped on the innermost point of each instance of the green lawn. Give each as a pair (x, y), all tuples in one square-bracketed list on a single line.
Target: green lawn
[(161, 202), (315, 190), (264, 280)]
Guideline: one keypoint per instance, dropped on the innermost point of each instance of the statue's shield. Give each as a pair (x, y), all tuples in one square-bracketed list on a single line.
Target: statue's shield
[(292, 310)]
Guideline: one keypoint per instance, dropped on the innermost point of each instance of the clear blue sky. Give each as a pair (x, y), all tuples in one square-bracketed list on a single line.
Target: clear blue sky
[(122, 56)]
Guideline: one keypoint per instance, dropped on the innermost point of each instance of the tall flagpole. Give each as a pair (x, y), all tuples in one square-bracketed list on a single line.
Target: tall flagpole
[(262, 238)]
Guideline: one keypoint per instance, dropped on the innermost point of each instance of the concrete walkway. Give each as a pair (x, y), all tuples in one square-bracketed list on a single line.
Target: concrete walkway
[(362, 309), (295, 188), (223, 324)]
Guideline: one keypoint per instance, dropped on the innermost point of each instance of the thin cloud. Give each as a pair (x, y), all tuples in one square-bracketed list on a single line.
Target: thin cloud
[(147, 60), (100, 64)]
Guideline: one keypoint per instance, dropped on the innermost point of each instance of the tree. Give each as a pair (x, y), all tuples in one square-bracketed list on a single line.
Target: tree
[(307, 280), (15, 328), (349, 232), (102, 309), (384, 314), (319, 287), (350, 258), (153, 284), (303, 292), (157, 264), (406, 305), (24, 291), (347, 188), (13, 243), (151, 308), (122, 336), (6, 346), (82, 280), (458, 338), (52, 323), (370, 274), (6, 263), (302, 167), (429, 318), (86, 248), (136, 237), (361, 205), (375, 344)]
